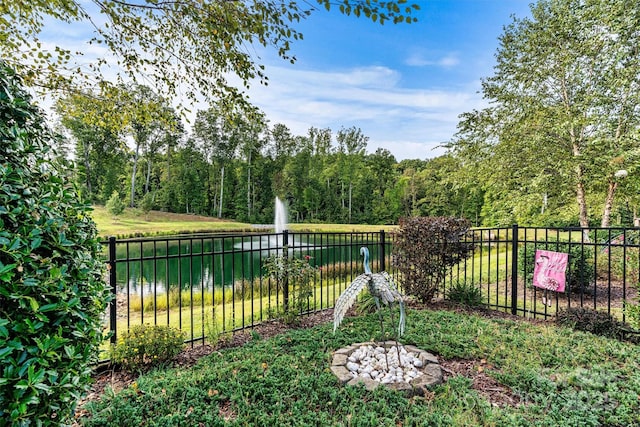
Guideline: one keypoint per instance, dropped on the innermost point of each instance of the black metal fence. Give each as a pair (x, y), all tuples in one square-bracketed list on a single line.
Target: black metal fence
[(208, 285), (602, 271)]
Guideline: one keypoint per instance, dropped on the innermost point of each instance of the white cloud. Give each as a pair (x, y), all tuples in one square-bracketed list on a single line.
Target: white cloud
[(410, 123), (418, 59)]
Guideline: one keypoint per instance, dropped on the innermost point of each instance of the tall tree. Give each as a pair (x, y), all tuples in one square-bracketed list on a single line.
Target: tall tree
[(100, 147), (251, 130), (281, 142), (150, 119), (564, 102), (352, 144), (383, 174), (215, 132)]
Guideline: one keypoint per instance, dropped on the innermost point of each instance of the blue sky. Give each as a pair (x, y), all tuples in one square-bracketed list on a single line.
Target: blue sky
[(403, 85)]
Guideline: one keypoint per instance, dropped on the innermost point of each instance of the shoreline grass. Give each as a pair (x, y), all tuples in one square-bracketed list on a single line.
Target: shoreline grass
[(210, 314)]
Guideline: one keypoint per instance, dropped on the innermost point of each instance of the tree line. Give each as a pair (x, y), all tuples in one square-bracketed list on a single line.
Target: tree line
[(233, 165)]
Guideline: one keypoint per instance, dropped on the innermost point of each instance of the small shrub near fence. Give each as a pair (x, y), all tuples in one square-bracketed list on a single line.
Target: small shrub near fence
[(465, 293), (593, 321), (294, 277), (144, 346)]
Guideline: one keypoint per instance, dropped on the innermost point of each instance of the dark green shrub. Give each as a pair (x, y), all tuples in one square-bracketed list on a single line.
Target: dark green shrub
[(588, 320), (52, 290), (425, 248), (115, 206), (465, 293), (580, 275), (146, 346), (147, 204)]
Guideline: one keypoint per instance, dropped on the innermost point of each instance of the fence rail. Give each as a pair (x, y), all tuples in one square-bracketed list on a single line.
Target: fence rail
[(207, 285)]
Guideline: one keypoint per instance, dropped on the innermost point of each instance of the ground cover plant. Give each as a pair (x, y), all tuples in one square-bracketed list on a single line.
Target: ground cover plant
[(552, 375)]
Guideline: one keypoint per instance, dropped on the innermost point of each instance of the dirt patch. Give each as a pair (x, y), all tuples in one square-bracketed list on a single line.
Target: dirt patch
[(604, 295), (479, 371)]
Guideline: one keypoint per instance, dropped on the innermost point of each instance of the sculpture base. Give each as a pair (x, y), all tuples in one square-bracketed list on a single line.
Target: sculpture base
[(357, 364)]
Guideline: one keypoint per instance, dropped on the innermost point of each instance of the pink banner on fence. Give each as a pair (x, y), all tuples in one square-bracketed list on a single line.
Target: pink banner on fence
[(549, 272)]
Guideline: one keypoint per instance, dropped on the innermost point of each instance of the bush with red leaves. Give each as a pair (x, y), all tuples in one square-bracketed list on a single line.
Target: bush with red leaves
[(425, 248)]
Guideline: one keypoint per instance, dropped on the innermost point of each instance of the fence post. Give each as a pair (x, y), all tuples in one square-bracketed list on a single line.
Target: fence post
[(383, 254), (514, 269), (111, 266), (285, 255)]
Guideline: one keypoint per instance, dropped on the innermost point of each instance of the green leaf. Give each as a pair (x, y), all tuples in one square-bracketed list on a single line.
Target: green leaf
[(35, 243), (50, 307), (7, 272), (4, 352), (32, 303)]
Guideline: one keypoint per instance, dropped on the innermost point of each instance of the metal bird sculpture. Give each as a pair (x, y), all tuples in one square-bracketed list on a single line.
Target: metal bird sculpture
[(381, 288)]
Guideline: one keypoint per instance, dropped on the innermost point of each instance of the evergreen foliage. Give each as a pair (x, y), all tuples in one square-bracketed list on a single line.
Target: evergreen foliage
[(147, 203), (146, 346), (52, 291), (115, 206), (594, 321), (465, 293), (296, 275)]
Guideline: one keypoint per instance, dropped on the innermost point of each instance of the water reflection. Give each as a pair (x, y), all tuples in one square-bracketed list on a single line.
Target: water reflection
[(152, 267)]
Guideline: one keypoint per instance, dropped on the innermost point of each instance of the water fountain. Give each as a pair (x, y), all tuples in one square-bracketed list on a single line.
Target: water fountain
[(281, 218), (280, 224)]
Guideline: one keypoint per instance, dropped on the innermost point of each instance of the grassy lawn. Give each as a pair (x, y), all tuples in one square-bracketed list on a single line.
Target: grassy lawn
[(134, 222), (558, 376)]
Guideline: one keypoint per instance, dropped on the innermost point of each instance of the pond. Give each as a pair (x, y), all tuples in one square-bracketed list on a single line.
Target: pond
[(145, 266)]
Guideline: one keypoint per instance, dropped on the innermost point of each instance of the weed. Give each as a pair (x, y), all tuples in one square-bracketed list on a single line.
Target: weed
[(465, 293)]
